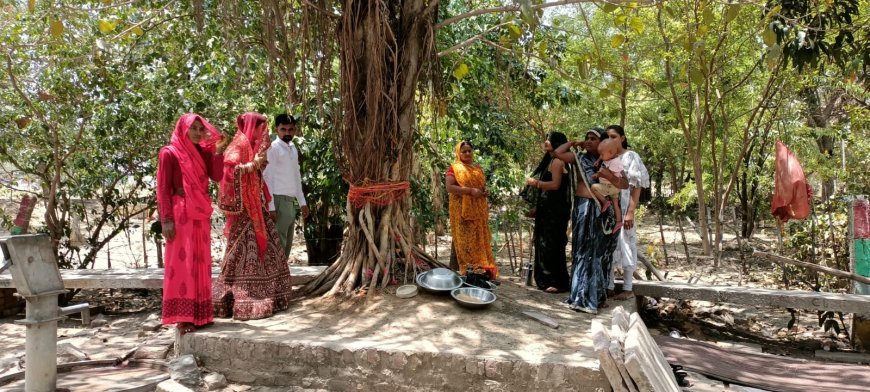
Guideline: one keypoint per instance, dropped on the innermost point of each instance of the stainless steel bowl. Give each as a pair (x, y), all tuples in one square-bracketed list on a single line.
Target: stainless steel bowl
[(473, 297), (439, 280), (489, 285)]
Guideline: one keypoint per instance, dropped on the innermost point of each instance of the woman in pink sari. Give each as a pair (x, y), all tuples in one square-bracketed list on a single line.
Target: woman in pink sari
[(255, 280), (183, 170)]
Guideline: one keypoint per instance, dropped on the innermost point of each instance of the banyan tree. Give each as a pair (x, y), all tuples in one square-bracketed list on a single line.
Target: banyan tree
[(387, 50), (384, 48)]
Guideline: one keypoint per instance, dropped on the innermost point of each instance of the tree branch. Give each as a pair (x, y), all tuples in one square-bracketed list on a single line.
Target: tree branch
[(830, 271), (309, 4), (10, 187), (550, 62), (515, 8), (21, 93), (470, 41)]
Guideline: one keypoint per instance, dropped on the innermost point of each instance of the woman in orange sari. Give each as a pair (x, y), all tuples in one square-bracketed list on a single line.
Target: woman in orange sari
[(254, 281), (469, 213)]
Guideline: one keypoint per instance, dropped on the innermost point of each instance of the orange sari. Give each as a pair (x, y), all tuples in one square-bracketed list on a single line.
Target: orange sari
[(469, 220)]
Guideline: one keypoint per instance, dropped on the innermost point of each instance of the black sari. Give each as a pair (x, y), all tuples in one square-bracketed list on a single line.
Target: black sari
[(552, 213)]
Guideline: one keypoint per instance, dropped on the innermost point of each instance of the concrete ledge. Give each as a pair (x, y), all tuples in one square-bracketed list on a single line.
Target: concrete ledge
[(338, 367), (150, 278), (424, 343), (848, 303)]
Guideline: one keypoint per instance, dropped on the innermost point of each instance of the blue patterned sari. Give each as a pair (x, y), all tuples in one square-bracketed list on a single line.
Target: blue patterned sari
[(592, 250)]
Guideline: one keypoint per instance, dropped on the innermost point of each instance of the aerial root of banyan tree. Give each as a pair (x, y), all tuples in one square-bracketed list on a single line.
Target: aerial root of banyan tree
[(378, 251)]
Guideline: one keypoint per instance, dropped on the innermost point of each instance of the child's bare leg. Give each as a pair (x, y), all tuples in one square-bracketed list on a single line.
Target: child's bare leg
[(617, 209)]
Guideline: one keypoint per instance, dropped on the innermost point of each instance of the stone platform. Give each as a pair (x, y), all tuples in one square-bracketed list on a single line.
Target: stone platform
[(425, 343)]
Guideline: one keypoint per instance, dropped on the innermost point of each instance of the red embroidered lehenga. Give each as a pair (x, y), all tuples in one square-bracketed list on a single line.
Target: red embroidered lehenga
[(183, 172), (254, 281)]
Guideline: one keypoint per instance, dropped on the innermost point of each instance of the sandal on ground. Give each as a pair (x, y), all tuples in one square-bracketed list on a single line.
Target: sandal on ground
[(680, 375)]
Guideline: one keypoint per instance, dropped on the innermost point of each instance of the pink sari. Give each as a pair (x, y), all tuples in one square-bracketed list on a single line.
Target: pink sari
[(187, 279)]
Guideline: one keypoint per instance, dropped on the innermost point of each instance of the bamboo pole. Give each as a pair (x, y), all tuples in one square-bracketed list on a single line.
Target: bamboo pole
[(649, 267), (679, 220), (830, 271), (664, 242)]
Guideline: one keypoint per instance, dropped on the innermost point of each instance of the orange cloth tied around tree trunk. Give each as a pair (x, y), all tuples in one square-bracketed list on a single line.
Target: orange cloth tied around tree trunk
[(469, 219)]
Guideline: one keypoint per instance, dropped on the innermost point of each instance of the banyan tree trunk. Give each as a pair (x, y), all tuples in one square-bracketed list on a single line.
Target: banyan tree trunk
[(384, 47)]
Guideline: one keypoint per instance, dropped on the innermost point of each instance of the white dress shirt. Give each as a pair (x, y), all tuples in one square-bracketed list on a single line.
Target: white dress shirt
[(282, 174)]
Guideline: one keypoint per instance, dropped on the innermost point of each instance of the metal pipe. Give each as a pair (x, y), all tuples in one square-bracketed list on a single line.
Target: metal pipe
[(83, 308)]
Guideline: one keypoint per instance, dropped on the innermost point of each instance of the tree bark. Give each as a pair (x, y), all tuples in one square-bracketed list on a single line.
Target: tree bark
[(384, 46)]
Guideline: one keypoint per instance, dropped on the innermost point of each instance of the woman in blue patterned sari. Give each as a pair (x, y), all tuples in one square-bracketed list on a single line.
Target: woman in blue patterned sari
[(592, 250)]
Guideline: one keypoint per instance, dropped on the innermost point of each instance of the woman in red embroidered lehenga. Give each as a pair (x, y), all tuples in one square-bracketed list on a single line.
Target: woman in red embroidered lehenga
[(254, 281), (183, 170)]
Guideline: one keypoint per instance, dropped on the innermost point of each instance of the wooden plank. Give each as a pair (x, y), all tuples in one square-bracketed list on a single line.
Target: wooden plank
[(601, 340), (635, 363), (839, 356), (659, 357), (541, 318), (770, 372), (150, 278), (619, 325), (808, 300), (621, 318), (656, 369)]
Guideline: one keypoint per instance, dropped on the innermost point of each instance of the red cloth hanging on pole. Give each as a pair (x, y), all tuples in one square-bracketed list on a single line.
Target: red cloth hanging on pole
[(791, 193)]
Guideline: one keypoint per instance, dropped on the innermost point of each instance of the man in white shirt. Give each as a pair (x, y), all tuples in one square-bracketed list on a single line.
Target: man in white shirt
[(284, 180)]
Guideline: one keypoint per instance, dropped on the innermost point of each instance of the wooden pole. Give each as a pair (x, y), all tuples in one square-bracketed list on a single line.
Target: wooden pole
[(742, 258), (780, 227), (520, 225), (508, 237), (159, 244), (679, 220), (650, 267), (830, 271), (144, 240), (662, 234)]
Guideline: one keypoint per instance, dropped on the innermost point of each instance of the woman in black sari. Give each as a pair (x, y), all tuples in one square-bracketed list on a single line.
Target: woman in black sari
[(550, 188)]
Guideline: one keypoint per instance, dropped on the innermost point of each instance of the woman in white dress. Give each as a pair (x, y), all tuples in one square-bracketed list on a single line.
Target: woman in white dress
[(637, 176)]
